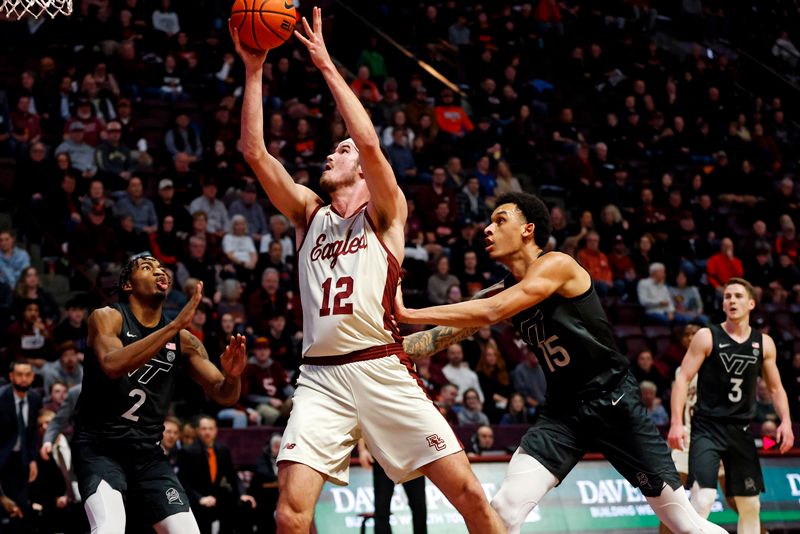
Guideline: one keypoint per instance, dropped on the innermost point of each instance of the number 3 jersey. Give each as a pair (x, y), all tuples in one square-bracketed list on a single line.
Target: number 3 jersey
[(129, 410), (348, 280), (573, 342), (726, 381)]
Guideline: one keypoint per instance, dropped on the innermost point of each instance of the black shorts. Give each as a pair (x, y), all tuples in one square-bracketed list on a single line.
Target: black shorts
[(615, 424), (734, 445), (145, 478)]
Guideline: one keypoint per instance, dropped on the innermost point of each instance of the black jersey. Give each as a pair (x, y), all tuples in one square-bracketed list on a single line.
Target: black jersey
[(572, 340), (128, 410), (726, 382)]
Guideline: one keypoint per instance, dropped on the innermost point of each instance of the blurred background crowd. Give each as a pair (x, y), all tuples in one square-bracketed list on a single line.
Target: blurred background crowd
[(662, 135)]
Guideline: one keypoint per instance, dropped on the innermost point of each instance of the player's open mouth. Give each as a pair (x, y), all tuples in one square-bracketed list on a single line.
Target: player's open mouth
[(328, 166), (162, 284), (489, 245)]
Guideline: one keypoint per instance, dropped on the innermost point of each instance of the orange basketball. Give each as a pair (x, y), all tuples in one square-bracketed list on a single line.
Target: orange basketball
[(263, 24)]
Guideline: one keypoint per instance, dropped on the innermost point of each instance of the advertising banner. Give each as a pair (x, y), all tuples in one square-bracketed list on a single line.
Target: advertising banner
[(593, 498)]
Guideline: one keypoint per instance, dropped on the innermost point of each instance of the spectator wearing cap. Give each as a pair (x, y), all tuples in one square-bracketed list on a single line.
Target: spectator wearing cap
[(113, 159), (239, 248), (166, 205), (67, 368), (596, 263), (452, 118), (80, 153), (86, 115), (134, 203), (214, 208), (248, 207), (265, 384), (723, 266)]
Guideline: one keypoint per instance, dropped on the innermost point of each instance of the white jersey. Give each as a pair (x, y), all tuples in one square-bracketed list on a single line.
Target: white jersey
[(348, 280)]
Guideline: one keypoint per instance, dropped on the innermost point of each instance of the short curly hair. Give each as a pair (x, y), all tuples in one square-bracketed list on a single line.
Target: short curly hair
[(534, 210), (127, 271)]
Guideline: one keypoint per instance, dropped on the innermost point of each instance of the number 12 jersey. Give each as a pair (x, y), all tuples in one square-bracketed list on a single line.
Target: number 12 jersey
[(348, 280)]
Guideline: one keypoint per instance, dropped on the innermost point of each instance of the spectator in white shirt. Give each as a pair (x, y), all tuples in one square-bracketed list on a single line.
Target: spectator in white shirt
[(457, 372), (656, 299), (239, 247)]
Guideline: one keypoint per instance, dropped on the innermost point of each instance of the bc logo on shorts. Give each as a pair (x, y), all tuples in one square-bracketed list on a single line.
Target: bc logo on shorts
[(173, 497), (435, 441), (749, 484)]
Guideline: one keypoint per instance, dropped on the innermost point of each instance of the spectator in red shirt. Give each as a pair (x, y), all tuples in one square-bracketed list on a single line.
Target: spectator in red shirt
[(596, 263), (363, 86), (451, 118), (723, 266), (265, 384)]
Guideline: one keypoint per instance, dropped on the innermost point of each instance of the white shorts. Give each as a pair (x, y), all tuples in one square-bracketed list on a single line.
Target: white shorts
[(377, 399)]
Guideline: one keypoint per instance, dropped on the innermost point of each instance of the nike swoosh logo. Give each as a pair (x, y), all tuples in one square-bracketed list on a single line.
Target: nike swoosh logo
[(615, 402), (129, 334), (723, 345)]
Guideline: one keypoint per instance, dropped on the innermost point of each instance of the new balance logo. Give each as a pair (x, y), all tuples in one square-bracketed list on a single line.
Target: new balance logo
[(290, 446), (737, 363), (129, 334), (436, 442)]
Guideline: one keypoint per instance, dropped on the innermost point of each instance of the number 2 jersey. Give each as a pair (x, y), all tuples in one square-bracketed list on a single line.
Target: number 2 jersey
[(128, 410), (573, 342), (348, 280), (726, 381)]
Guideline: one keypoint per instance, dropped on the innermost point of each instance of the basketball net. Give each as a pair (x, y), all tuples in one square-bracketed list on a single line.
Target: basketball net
[(16, 9)]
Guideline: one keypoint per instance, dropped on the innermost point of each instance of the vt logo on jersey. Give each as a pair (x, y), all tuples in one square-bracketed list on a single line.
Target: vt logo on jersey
[(151, 369), (737, 363)]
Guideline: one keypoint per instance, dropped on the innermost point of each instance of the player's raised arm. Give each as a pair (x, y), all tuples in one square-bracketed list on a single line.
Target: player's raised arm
[(293, 200), (429, 342), (539, 283), (698, 351), (115, 359), (387, 200), (784, 434), (224, 387)]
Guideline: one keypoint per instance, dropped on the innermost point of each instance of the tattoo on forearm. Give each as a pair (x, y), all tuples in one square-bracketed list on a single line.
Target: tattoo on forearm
[(427, 343), (196, 346)]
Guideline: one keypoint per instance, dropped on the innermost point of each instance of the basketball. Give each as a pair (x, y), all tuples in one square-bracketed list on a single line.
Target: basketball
[(263, 24)]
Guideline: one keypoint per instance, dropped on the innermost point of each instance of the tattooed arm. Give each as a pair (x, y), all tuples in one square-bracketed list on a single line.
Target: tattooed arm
[(428, 342), (222, 388)]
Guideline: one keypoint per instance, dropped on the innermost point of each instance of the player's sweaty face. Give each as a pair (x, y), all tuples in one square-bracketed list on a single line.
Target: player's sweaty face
[(151, 273), (341, 167)]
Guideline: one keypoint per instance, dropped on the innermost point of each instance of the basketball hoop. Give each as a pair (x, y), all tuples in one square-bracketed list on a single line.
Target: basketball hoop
[(17, 9)]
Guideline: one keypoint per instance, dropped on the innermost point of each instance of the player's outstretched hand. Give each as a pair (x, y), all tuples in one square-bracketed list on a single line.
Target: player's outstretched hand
[(253, 59), (678, 437), (314, 41), (785, 436), (234, 359), (184, 318)]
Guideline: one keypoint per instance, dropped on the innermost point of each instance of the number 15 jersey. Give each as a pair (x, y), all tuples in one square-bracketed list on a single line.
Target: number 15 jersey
[(573, 342), (348, 280)]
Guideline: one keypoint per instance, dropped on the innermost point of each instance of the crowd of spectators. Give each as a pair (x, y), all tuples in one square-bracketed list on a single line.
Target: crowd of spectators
[(665, 178)]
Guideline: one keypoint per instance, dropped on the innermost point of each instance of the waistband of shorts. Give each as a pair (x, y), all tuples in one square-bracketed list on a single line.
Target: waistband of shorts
[(372, 353)]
